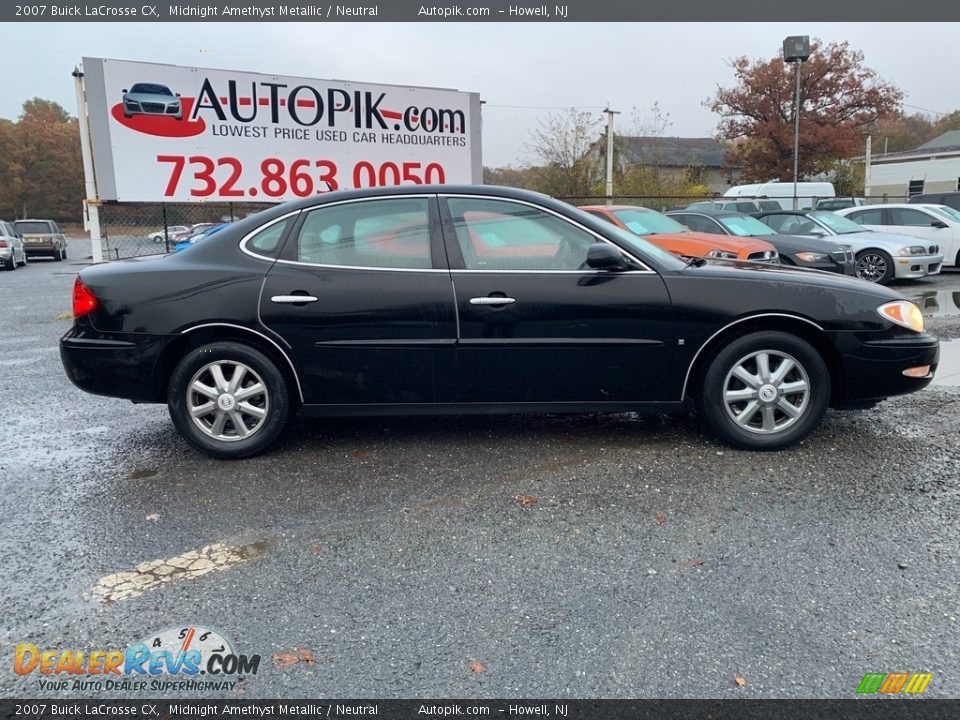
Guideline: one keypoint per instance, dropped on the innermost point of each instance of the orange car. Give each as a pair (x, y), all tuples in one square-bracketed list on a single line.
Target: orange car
[(678, 239)]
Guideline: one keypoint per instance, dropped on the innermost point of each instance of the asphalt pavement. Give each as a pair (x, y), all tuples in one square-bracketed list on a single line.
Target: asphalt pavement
[(549, 556)]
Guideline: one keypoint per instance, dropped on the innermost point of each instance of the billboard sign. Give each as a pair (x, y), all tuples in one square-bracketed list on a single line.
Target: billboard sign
[(167, 133)]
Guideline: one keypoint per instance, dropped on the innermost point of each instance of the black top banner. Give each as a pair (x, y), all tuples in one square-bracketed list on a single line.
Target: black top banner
[(307, 709), (473, 11)]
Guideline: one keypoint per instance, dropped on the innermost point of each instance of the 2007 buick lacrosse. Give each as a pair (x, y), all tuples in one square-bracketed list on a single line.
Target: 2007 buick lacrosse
[(471, 299)]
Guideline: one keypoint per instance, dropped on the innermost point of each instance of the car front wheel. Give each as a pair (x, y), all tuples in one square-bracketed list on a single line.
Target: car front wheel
[(765, 391), (228, 400), (875, 266)]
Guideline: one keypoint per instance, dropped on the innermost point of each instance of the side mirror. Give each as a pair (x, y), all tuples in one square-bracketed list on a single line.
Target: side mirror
[(177, 94), (939, 224), (601, 256), (124, 90), (818, 232)]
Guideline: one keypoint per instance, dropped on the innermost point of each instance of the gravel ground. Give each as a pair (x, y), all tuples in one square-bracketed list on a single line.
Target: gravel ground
[(590, 556)]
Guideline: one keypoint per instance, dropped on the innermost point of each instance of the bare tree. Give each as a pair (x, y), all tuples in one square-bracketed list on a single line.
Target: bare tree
[(561, 144)]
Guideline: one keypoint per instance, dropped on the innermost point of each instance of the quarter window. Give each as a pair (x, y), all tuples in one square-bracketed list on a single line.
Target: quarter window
[(868, 217), (500, 235), (370, 233), (267, 241)]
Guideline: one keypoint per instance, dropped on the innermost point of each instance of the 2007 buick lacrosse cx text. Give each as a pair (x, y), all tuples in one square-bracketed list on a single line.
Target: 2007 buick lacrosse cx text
[(471, 299)]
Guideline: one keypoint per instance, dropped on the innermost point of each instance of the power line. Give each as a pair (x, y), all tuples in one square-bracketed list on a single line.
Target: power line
[(546, 107), (935, 112)]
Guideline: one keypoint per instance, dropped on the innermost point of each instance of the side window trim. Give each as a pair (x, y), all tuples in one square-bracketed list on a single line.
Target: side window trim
[(455, 256)]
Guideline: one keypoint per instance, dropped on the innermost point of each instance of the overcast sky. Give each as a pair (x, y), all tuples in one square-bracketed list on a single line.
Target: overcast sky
[(536, 65)]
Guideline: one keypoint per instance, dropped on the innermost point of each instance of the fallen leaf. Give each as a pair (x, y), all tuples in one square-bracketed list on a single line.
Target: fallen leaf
[(153, 517), (360, 454), (693, 563), (65, 315), (527, 500), (660, 518), (292, 657), (315, 549), (477, 667), (739, 680), (284, 659)]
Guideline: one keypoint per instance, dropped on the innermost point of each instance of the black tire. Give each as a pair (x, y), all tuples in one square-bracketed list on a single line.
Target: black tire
[(274, 400), (875, 266), (10, 264), (727, 417), (63, 253), (24, 263), (57, 255)]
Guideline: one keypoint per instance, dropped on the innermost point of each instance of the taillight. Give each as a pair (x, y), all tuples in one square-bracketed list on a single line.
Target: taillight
[(3, 244), (84, 301)]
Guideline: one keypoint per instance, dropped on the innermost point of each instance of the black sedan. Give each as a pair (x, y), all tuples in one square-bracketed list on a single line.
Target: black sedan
[(807, 252), (464, 299)]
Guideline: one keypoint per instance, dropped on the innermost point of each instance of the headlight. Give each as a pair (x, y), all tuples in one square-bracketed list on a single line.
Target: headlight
[(722, 254), (811, 257), (913, 250), (903, 313)]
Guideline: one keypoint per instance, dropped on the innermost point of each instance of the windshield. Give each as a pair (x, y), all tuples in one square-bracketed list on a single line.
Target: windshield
[(947, 212), (648, 222), (839, 224), (150, 89), (745, 226)]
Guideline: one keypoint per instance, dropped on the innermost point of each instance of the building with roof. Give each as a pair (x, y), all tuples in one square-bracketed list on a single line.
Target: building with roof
[(700, 160), (932, 167)]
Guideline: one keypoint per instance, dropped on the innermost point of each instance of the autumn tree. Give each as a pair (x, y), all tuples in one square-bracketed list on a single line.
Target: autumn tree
[(41, 172), (840, 98), (561, 143)]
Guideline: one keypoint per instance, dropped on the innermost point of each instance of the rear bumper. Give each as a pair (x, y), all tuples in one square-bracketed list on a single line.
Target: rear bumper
[(111, 364), (44, 248), (873, 368)]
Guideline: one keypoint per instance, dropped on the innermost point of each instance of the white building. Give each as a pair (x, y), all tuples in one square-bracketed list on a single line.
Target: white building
[(932, 167)]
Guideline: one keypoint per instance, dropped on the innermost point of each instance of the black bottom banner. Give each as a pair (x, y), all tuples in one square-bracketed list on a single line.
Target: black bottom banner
[(853, 709)]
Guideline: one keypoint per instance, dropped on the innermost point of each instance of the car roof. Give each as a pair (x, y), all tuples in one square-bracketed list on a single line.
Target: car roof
[(708, 211), (616, 207)]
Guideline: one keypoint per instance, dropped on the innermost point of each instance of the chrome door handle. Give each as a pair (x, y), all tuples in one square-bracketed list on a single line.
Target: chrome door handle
[(293, 299), (492, 301)]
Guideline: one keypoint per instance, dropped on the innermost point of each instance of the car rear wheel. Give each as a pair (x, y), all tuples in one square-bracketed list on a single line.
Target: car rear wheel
[(10, 264), (875, 266), (228, 400), (23, 258), (765, 391)]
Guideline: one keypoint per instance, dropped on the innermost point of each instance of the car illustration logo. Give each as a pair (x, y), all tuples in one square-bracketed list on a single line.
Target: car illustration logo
[(151, 99)]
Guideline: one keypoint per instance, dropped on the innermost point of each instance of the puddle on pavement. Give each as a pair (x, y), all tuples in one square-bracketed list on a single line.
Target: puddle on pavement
[(948, 371), (193, 564), (937, 303)]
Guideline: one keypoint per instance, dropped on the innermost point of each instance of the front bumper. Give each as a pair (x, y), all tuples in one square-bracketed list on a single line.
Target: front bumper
[(873, 366), (916, 266), (113, 364)]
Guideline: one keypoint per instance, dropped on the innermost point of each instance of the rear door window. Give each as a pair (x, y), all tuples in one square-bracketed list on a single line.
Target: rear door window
[(874, 216)]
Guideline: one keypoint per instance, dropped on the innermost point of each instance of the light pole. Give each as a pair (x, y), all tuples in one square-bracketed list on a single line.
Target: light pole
[(796, 49)]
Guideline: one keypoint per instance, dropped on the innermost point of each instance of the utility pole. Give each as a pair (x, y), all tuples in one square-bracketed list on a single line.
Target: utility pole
[(610, 113)]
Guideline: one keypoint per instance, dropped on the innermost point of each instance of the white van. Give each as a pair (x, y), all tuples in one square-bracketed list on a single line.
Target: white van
[(807, 193)]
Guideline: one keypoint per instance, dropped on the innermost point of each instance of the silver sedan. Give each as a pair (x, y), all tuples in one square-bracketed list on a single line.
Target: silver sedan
[(881, 257), (12, 254)]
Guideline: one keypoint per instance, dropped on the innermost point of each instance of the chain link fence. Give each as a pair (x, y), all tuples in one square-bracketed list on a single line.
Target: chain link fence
[(132, 229)]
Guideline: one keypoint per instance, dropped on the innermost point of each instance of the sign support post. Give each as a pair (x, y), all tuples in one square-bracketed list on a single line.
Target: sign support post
[(91, 204)]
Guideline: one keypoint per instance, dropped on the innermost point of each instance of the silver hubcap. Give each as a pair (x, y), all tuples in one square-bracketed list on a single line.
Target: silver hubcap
[(766, 392), (227, 400), (871, 268)]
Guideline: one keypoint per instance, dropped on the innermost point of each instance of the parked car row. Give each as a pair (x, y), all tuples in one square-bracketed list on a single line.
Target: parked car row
[(22, 239)]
